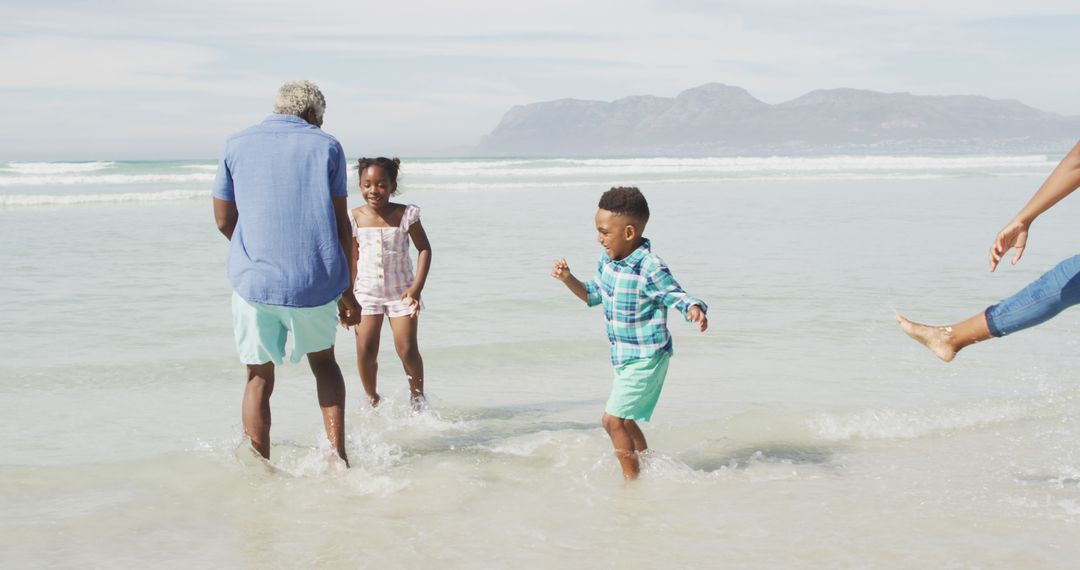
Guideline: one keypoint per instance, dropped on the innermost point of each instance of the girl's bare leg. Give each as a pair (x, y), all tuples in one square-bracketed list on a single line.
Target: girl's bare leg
[(405, 341), (367, 354), (946, 341)]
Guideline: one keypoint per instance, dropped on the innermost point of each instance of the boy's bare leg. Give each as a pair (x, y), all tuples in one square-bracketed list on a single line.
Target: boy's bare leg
[(255, 409), (624, 445), (367, 354), (946, 341), (405, 341), (330, 385), (636, 436)]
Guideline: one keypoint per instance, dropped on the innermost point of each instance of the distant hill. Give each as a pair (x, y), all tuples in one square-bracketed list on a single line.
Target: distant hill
[(718, 119)]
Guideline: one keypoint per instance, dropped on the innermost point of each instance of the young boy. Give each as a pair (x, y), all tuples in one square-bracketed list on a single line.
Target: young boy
[(636, 289)]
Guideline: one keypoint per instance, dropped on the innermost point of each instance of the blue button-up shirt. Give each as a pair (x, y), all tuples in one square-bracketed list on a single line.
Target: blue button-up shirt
[(636, 292), (285, 249)]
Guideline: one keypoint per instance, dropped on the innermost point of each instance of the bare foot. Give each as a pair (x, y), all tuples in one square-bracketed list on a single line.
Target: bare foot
[(937, 339), (374, 400), (418, 403), (250, 457), (334, 463), (628, 460)]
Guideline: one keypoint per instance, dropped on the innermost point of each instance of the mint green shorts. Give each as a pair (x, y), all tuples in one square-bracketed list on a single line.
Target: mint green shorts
[(261, 330), (637, 386)]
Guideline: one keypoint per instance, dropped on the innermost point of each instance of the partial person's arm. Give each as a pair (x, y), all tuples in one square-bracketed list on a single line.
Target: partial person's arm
[(354, 253), (1062, 181), (661, 286), (423, 264), (587, 291), (348, 308), (225, 215)]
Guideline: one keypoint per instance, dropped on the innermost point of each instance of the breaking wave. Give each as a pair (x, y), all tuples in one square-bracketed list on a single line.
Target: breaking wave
[(17, 200), (55, 167)]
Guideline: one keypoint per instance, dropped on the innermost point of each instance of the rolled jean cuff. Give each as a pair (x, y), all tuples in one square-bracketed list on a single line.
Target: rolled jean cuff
[(994, 330), (1038, 302)]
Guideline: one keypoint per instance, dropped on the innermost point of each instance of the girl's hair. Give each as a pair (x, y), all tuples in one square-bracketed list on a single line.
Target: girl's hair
[(388, 165)]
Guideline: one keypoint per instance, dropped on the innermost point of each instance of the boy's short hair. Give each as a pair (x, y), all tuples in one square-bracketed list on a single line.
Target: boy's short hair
[(626, 200)]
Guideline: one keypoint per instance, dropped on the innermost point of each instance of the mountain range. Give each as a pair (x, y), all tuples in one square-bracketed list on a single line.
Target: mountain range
[(717, 119)]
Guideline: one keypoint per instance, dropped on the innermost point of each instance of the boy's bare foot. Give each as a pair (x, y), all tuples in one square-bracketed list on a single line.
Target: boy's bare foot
[(628, 460), (937, 339)]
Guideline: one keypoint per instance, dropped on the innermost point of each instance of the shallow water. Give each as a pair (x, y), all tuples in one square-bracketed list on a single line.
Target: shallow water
[(802, 430)]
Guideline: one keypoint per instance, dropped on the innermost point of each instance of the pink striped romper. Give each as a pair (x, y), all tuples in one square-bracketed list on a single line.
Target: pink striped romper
[(384, 270)]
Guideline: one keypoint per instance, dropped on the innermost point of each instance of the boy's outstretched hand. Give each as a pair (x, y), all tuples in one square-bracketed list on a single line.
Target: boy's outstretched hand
[(561, 270), (697, 316)]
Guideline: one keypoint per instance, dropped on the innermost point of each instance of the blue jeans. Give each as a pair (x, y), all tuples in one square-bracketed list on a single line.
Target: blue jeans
[(1057, 290)]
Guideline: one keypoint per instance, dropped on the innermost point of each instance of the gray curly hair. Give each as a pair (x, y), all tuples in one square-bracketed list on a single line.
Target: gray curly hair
[(299, 97)]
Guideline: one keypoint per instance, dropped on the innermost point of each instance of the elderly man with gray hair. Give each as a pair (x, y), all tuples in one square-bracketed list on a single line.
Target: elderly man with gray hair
[(280, 199)]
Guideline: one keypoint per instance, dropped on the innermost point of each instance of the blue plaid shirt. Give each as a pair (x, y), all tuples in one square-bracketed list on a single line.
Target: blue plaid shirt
[(636, 292)]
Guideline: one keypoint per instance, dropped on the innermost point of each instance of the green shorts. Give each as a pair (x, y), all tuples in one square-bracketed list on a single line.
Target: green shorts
[(637, 387), (261, 330)]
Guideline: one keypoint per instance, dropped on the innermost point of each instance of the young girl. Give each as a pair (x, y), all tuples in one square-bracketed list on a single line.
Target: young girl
[(384, 283)]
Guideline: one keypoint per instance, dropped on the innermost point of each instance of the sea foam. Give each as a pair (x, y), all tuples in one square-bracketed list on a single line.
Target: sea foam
[(103, 179), (883, 424), (18, 200), (55, 167)]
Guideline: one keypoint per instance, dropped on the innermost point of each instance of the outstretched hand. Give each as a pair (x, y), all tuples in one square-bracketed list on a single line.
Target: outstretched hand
[(1014, 236), (698, 317), (561, 270)]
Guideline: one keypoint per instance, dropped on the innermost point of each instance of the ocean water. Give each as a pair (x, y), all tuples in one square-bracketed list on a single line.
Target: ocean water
[(802, 430)]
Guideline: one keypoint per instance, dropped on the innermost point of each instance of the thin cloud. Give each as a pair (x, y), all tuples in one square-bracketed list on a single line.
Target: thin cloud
[(435, 74)]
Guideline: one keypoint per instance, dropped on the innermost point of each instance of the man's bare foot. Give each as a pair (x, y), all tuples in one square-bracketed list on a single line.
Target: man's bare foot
[(374, 400), (937, 339), (250, 457), (335, 463)]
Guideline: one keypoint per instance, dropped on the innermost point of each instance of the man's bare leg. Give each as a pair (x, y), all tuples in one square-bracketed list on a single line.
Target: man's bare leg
[(330, 385), (255, 409)]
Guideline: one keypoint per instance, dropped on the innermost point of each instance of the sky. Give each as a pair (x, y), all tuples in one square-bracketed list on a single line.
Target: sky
[(146, 79)]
